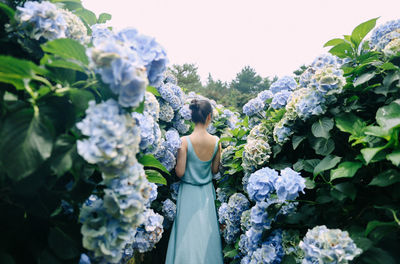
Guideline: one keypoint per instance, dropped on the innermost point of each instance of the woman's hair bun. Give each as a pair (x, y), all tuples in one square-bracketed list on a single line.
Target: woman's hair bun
[(194, 105)]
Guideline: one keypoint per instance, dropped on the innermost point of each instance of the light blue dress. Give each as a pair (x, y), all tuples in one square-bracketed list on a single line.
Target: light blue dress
[(195, 237)]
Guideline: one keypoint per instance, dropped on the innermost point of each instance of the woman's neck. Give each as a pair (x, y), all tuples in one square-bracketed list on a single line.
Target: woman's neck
[(200, 128)]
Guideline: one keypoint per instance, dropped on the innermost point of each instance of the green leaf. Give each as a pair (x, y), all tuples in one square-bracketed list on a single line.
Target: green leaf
[(153, 90), (350, 123), (327, 163), (322, 127), (62, 245), (151, 161), (364, 78), (18, 72), (87, 16), (342, 50), (323, 146), (296, 140), (374, 224), (370, 153), (7, 10), (80, 99), (309, 165), (377, 131), (333, 42), (387, 66), (377, 256), (27, 141), (394, 157), (386, 178), (347, 189), (68, 49), (63, 155), (345, 169), (310, 184), (389, 116), (231, 254), (155, 177), (103, 18), (361, 31)]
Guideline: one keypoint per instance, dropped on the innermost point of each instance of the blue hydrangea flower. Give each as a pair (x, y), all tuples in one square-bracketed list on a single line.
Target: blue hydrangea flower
[(173, 141), (323, 245), (280, 99), (175, 190), (271, 251), (121, 69), (379, 32), (245, 220), (282, 132), (265, 95), (153, 193), (328, 80), (100, 33), (309, 104), (222, 195), (75, 28), (168, 160), (166, 112), (261, 184), (169, 209), (259, 216), (211, 129), (179, 124), (185, 112), (289, 184), (253, 107), (256, 153), (250, 240), (286, 83), (149, 233), (152, 55), (41, 20), (151, 106), (172, 94), (113, 138), (84, 259), (169, 77), (325, 59), (146, 124)]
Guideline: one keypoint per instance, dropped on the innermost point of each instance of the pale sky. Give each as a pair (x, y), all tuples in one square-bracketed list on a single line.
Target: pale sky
[(223, 36)]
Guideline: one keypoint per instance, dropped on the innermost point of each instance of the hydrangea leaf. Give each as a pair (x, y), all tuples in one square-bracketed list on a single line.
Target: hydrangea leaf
[(345, 169), (296, 140), (364, 78), (153, 90), (7, 10), (63, 155), (374, 224), (62, 245), (370, 153), (68, 49), (346, 188), (333, 42), (389, 116), (322, 127), (386, 178), (151, 161), (342, 50), (361, 31), (323, 146), (394, 157), (155, 177), (27, 141), (103, 18), (18, 72), (350, 123), (327, 163)]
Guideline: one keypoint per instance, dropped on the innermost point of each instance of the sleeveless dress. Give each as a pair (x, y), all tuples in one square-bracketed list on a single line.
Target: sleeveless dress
[(195, 237)]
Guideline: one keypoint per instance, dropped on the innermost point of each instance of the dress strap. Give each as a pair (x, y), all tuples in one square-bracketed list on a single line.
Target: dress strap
[(215, 148)]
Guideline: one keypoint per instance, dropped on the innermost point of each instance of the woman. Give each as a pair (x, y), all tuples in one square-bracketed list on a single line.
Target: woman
[(195, 237)]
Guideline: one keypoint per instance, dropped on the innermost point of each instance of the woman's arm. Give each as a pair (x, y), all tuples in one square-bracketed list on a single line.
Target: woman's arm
[(217, 160), (181, 159)]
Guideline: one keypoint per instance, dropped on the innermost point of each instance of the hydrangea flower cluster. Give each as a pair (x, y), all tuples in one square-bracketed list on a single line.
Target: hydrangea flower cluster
[(175, 190), (282, 131), (323, 245), (149, 233), (172, 94), (44, 20), (328, 80), (256, 153), (152, 106), (113, 137), (384, 35), (254, 106), (266, 181), (166, 111), (229, 215), (112, 143), (169, 209), (168, 149), (222, 194), (128, 62)]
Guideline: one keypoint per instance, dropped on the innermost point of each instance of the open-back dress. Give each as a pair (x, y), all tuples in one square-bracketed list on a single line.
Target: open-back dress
[(195, 237)]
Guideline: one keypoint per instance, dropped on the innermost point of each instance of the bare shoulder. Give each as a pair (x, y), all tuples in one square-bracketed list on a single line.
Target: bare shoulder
[(184, 141)]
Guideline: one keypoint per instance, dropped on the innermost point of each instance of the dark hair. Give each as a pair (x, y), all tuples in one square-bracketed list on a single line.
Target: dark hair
[(200, 110)]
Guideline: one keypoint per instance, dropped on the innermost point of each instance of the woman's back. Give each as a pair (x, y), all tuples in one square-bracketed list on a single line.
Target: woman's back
[(201, 150)]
